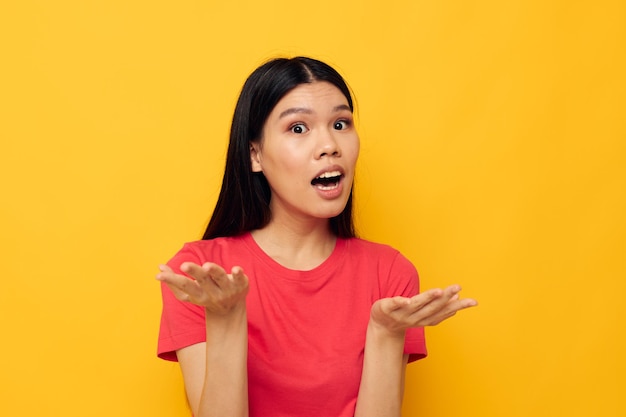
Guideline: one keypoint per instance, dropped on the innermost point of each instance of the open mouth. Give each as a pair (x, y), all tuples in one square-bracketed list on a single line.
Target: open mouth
[(327, 180)]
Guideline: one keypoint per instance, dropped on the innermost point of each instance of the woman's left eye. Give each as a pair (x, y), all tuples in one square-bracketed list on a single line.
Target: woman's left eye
[(341, 125), (298, 128)]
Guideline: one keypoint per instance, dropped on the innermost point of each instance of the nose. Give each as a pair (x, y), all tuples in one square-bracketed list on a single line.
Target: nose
[(328, 145)]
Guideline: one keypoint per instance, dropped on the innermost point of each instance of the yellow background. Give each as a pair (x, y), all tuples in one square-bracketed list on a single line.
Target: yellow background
[(493, 155)]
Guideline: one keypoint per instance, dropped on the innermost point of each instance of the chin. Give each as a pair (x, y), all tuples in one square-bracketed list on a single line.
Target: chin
[(330, 212)]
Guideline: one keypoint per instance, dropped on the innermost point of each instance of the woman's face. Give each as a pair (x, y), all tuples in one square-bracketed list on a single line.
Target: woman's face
[(308, 152)]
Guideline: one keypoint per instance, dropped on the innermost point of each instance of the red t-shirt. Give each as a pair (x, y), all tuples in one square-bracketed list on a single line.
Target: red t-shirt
[(306, 329)]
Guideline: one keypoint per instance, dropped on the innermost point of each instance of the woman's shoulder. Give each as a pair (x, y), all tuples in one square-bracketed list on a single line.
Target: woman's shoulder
[(373, 251), (210, 249), (387, 262), (369, 246), (217, 242)]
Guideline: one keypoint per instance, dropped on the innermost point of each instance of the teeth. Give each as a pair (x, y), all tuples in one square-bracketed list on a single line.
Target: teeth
[(330, 174)]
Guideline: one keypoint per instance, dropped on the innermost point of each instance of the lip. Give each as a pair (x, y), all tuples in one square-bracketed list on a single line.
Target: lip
[(331, 194), (329, 169), (335, 192)]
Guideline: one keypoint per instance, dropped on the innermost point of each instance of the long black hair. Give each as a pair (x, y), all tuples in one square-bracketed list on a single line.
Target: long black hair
[(243, 203)]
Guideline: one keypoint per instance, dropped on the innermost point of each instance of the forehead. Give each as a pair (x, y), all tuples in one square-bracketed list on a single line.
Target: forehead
[(316, 96)]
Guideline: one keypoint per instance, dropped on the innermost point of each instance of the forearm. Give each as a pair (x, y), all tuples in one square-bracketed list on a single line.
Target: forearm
[(382, 380), (225, 388)]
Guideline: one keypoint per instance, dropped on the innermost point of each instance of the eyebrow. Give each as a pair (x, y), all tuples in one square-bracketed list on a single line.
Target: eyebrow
[(306, 110)]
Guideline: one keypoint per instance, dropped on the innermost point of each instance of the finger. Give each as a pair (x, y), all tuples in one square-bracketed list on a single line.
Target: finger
[(420, 300), (165, 273), (394, 304), (434, 304), (238, 277), (452, 309), (455, 305), (443, 297), (455, 302), (195, 271), (451, 291), (178, 293), (385, 309), (217, 274), (464, 303), (237, 271), (183, 287)]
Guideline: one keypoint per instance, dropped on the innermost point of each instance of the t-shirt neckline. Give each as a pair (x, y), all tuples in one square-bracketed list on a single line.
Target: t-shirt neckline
[(328, 265)]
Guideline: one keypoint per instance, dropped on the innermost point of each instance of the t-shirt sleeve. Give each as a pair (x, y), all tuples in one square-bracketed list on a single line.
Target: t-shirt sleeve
[(182, 323), (404, 281)]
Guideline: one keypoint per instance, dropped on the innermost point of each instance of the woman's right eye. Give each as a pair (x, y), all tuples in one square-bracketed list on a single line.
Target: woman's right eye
[(298, 128)]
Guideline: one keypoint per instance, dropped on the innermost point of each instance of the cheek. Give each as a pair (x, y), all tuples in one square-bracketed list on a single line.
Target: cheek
[(284, 168), (352, 151), (287, 157)]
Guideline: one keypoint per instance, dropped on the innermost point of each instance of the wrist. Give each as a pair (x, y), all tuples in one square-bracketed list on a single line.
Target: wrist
[(379, 331), (234, 321)]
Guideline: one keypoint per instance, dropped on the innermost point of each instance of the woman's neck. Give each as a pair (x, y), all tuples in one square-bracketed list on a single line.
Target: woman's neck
[(301, 248)]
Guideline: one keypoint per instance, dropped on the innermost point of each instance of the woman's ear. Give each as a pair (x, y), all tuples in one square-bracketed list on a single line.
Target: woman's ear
[(255, 160)]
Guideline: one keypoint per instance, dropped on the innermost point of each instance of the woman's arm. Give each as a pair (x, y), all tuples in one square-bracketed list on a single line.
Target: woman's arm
[(382, 380), (215, 372)]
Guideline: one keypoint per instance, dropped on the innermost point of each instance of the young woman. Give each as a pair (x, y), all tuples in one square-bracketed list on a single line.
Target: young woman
[(280, 310)]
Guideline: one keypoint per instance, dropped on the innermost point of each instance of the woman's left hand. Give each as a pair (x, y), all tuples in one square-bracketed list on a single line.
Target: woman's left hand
[(396, 314)]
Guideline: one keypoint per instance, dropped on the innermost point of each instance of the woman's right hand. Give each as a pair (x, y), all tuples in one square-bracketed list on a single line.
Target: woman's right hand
[(211, 287)]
